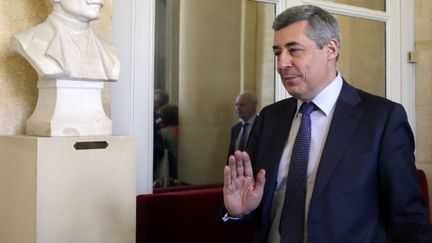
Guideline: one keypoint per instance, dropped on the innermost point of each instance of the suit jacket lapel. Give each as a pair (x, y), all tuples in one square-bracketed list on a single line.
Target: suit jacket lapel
[(345, 119), (110, 63), (277, 140), (236, 130), (55, 48), (281, 132)]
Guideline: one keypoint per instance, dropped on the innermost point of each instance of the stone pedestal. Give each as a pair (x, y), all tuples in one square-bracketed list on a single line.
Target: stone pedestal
[(69, 190), (69, 108)]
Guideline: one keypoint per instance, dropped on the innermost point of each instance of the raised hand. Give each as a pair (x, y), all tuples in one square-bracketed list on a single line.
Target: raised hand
[(242, 194)]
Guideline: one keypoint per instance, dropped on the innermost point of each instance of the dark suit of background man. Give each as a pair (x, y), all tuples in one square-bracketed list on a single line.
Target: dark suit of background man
[(361, 175), (245, 104)]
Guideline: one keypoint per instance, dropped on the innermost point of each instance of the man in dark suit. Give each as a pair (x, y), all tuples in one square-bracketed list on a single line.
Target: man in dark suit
[(359, 183), (245, 104)]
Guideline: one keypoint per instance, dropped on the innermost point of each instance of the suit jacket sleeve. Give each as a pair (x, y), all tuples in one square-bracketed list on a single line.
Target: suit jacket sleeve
[(399, 182)]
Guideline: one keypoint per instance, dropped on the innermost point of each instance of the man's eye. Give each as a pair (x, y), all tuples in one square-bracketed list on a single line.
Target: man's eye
[(295, 51)]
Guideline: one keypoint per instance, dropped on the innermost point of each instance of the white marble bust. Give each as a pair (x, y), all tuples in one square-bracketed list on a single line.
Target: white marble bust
[(65, 47)]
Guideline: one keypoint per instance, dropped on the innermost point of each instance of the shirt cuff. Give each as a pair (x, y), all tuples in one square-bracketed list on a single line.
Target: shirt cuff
[(227, 217)]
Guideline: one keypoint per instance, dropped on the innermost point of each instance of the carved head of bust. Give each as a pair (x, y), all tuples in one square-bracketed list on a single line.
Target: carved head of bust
[(81, 10), (65, 46)]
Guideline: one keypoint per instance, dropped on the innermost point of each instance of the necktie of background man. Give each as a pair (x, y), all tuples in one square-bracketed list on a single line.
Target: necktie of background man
[(242, 143)]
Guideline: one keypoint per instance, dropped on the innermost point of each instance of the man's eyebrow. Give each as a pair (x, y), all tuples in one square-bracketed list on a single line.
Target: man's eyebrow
[(292, 43)]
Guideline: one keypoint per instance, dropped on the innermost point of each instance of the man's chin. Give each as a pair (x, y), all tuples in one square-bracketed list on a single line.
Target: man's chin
[(93, 16), (294, 92), (292, 89)]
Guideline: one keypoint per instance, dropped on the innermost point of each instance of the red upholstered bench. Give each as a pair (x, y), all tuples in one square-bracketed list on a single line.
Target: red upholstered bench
[(186, 216), (189, 215)]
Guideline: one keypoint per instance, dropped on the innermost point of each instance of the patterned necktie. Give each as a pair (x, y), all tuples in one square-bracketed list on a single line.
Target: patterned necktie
[(291, 227), (242, 143)]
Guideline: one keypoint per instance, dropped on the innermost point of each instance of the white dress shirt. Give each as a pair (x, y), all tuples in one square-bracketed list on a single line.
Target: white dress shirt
[(321, 119)]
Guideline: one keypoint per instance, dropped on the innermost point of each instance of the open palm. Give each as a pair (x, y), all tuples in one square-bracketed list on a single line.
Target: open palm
[(242, 194)]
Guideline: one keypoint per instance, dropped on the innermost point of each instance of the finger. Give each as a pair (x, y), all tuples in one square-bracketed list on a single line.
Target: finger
[(232, 166), (239, 166), (227, 176), (260, 182), (238, 154), (238, 163), (247, 165)]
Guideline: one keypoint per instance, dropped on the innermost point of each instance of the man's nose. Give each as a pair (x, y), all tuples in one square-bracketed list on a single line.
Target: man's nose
[(284, 60)]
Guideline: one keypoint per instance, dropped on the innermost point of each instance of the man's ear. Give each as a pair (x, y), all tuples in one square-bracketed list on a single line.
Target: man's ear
[(332, 49)]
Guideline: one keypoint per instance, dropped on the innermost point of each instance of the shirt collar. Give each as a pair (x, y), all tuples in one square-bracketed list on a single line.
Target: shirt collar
[(326, 99), (250, 120)]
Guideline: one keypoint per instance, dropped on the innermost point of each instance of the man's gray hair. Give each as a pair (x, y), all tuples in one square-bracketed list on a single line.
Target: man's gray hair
[(322, 26), (251, 97)]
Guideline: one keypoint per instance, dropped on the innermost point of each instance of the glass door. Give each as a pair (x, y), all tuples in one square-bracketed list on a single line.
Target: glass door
[(206, 53)]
